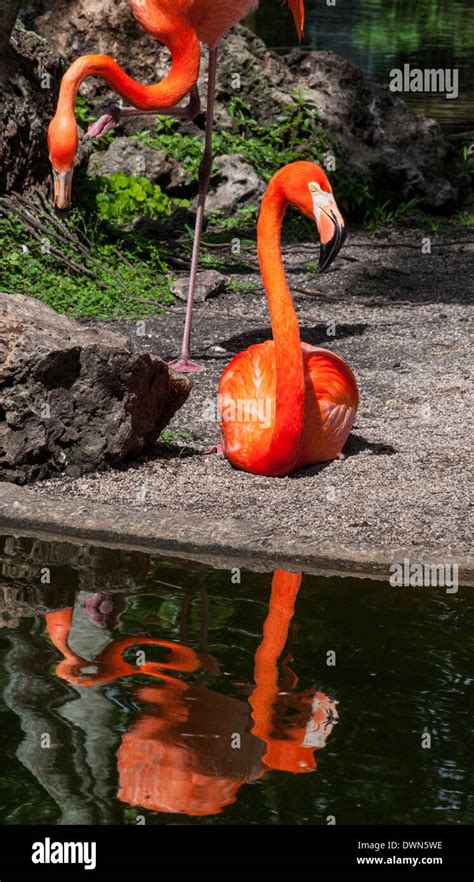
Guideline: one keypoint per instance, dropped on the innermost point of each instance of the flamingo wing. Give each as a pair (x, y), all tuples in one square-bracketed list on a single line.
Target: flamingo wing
[(247, 404), (331, 402)]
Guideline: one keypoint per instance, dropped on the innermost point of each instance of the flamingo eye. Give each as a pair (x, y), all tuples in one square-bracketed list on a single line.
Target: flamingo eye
[(314, 187)]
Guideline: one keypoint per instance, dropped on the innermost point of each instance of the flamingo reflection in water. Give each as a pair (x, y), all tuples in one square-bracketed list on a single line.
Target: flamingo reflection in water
[(179, 754)]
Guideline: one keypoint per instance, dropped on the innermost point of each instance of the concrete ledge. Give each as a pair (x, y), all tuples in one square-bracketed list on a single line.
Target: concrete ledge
[(221, 544)]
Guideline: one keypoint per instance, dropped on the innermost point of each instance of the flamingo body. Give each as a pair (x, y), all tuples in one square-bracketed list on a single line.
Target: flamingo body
[(330, 405), (212, 20)]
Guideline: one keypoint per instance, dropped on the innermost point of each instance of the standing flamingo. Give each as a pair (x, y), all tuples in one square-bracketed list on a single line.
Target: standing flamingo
[(181, 25), (285, 404)]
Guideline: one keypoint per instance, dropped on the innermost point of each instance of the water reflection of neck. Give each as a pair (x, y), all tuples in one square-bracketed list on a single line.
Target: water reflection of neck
[(290, 746)]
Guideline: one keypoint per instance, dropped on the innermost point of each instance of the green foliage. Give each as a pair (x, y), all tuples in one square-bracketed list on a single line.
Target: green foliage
[(353, 193), (379, 216), (294, 135), (465, 218), (170, 437), (122, 278), (241, 286), (245, 218), (121, 199), (83, 113)]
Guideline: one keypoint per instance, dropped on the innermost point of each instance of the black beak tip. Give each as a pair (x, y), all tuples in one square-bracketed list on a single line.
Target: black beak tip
[(330, 250)]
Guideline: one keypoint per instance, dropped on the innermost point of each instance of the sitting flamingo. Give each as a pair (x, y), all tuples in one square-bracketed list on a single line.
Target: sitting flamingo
[(285, 404), (181, 25)]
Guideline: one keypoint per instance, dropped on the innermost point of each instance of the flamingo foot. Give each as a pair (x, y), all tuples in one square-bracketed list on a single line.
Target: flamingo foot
[(103, 609), (186, 366), (105, 123), (97, 608), (215, 448)]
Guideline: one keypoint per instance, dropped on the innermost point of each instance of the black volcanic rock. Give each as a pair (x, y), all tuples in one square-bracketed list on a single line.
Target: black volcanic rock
[(74, 398)]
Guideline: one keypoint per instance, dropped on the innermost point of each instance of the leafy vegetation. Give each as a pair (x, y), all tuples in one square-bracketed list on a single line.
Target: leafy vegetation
[(89, 266), (170, 437), (120, 199), (295, 134), (388, 213), (241, 286), (125, 278), (465, 218)]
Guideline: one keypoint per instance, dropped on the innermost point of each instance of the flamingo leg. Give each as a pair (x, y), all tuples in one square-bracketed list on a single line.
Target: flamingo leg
[(184, 363), (115, 114)]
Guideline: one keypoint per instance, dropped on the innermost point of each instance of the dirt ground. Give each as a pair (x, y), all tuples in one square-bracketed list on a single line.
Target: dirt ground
[(401, 320)]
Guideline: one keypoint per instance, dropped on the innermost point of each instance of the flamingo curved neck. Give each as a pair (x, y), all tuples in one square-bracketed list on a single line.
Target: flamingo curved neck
[(285, 587), (185, 54), (282, 454)]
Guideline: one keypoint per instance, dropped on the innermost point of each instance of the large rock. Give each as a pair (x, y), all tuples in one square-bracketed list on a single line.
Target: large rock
[(29, 78), (128, 157), (235, 184), (402, 153), (209, 283), (75, 398)]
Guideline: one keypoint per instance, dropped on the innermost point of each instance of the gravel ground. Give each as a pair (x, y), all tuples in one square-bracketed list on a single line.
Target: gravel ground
[(402, 323)]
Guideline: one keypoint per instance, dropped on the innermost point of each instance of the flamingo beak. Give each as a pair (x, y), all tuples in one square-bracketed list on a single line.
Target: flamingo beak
[(332, 231), (62, 188)]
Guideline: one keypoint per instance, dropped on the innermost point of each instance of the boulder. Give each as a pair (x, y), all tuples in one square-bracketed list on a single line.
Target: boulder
[(29, 78), (74, 398), (235, 184), (401, 153), (129, 157), (209, 283)]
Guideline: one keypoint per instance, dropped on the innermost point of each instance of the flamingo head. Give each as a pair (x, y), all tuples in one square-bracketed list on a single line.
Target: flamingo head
[(306, 186), (63, 143)]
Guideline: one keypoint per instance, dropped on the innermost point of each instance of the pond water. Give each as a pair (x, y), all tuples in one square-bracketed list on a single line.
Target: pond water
[(138, 687), (380, 35)]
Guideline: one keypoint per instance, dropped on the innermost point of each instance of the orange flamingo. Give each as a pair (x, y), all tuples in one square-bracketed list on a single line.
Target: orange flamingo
[(177, 755), (181, 25), (285, 404)]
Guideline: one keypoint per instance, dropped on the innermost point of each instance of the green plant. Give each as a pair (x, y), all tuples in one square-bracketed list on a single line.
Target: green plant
[(123, 278), (83, 112), (465, 218), (121, 199), (170, 437), (296, 134), (380, 215), (243, 219), (241, 286)]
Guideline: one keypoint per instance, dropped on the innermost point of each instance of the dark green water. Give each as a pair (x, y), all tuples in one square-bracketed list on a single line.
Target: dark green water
[(379, 35), (161, 743)]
